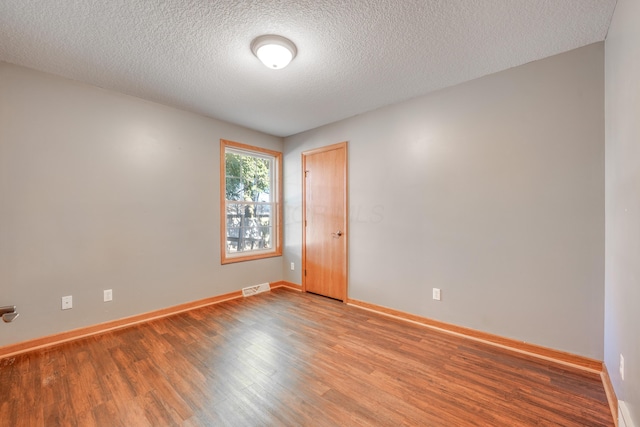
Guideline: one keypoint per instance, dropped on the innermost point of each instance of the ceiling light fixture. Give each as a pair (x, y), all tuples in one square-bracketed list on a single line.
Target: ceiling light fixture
[(274, 51)]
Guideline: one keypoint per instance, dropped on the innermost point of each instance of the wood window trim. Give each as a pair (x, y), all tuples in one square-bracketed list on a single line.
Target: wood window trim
[(277, 251)]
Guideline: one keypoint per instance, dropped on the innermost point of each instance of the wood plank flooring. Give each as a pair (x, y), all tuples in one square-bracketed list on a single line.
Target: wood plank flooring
[(289, 359)]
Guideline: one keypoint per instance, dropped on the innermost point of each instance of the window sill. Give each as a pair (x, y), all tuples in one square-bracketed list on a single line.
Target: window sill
[(249, 257)]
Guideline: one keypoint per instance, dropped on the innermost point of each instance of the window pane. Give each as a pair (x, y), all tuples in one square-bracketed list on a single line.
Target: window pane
[(235, 215), (255, 239), (234, 189), (249, 238), (248, 177), (249, 227), (232, 239), (263, 210)]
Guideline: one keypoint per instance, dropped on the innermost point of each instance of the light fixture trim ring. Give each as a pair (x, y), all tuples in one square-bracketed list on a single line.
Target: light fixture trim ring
[(273, 39)]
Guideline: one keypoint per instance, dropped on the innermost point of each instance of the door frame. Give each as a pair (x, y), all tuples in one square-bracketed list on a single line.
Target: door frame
[(345, 241)]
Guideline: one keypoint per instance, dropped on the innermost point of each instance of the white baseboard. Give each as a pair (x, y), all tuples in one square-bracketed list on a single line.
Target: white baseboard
[(624, 417)]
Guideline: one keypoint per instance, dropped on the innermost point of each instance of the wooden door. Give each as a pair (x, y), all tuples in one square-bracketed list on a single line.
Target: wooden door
[(325, 217)]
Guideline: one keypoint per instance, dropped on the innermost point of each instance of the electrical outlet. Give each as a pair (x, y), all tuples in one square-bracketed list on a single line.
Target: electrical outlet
[(67, 302), (108, 295), (293, 266), (436, 294), (622, 366)]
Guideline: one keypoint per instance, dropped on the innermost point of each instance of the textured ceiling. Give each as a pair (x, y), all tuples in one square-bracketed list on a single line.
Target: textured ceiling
[(353, 56)]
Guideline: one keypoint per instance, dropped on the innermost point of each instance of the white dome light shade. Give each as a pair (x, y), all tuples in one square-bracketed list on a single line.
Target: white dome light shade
[(274, 51), (274, 56)]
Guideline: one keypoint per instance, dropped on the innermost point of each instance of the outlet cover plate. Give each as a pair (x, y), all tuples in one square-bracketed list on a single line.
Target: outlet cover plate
[(67, 302)]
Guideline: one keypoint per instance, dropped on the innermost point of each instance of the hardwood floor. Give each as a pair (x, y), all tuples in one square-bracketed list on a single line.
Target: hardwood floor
[(290, 359)]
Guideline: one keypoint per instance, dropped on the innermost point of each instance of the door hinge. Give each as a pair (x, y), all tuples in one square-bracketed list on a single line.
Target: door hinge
[(305, 272), (306, 173)]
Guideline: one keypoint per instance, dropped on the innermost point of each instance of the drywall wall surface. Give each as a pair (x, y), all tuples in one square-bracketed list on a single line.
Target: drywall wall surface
[(104, 191), (622, 248), (492, 191)]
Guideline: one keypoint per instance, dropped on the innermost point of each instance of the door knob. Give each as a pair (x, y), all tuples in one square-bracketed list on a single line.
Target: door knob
[(337, 233)]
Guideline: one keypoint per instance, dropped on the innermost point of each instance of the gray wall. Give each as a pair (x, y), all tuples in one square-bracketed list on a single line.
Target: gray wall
[(99, 190), (492, 190), (622, 265)]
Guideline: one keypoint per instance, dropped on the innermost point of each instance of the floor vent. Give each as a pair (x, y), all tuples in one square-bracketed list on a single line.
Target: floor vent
[(252, 290)]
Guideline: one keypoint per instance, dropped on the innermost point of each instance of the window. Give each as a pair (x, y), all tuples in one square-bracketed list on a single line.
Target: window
[(251, 218)]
